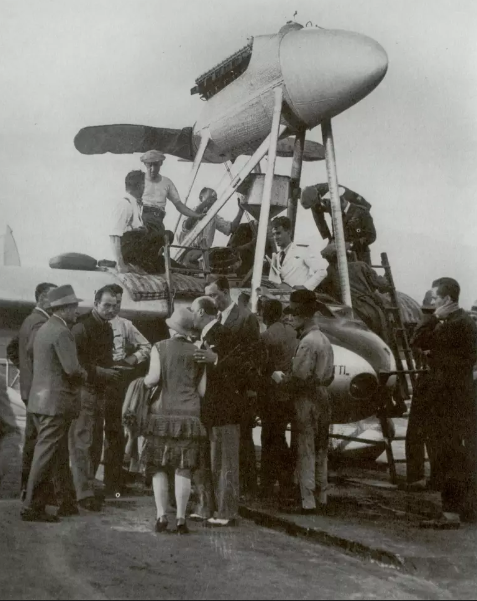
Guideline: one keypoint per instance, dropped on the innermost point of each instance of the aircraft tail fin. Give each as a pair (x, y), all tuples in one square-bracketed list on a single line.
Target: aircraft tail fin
[(11, 256)]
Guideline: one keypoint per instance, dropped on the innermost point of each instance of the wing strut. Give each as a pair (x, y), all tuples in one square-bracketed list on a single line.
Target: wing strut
[(336, 215), (225, 193), (266, 199), (204, 140)]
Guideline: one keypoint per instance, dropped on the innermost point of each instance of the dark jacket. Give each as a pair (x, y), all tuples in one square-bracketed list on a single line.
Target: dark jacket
[(95, 341), (242, 325), (57, 374), (358, 223), (452, 346), (26, 338), (221, 405)]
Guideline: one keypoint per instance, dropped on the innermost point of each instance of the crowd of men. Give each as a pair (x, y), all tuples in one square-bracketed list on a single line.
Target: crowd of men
[(75, 372)]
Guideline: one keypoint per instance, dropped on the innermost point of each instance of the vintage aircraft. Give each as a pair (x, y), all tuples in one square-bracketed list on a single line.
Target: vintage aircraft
[(279, 85)]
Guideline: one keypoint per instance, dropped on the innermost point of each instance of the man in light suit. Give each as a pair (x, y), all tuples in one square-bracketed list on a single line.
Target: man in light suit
[(243, 334), (293, 265), (26, 338), (53, 403)]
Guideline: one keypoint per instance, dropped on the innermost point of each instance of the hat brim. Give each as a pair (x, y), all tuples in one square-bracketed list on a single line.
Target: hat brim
[(67, 300), (179, 328)]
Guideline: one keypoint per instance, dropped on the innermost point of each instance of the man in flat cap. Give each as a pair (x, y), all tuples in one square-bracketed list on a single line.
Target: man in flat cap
[(312, 372), (53, 403), (358, 225), (157, 190)]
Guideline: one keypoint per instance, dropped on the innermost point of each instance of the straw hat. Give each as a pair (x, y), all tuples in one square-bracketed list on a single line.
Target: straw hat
[(63, 295), (181, 321)]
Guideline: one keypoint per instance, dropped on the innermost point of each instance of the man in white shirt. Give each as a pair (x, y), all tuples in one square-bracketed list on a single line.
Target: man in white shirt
[(157, 190), (131, 349), (293, 265), (130, 346), (133, 243)]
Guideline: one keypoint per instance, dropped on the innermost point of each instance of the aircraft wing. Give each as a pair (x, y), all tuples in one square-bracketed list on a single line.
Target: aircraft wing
[(126, 139)]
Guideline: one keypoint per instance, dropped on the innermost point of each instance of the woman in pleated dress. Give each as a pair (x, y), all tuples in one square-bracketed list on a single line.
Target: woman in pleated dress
[(175, 436)]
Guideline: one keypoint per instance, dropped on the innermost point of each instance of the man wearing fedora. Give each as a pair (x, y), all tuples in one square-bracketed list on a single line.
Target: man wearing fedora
[(358, 224), (312, 372), (53, 403), (26, 338)]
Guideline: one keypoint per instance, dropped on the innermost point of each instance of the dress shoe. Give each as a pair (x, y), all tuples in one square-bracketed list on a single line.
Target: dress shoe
[(67, 510), (181, 527), (416, 486), (161, 524), (33, 515), (308, 511), (90, 504), (195, 517), (218, 523)]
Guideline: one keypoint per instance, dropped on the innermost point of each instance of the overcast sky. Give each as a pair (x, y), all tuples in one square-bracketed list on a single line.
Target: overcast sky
[(410, 148)]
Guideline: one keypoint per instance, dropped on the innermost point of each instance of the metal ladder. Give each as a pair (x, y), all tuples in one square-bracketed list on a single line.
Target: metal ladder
[(398, 338), (399, 344)]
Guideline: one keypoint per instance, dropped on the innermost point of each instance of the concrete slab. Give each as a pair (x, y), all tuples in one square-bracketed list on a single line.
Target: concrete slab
[(381, 524)]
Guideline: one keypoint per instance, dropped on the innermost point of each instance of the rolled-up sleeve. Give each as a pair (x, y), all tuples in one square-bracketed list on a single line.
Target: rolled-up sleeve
[(138, 342), (121, 217)]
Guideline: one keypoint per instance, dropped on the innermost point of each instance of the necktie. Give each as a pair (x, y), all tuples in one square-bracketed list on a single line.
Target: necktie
[(219, 317), (281, 258)]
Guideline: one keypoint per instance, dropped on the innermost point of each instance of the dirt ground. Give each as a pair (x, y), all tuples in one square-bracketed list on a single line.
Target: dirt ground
[(116, 555)]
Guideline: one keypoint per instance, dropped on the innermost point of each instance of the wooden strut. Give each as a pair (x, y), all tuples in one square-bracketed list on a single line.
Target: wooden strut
[(336, 215), (295, 178), (227, 192), (204, 140), (266, 200)]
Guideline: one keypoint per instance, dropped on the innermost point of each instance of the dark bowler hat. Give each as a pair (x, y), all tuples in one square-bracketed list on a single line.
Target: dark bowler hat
[(63, 295)]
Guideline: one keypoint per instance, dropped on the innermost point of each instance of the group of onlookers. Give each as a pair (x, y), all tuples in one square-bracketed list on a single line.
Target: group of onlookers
[(73, 377)]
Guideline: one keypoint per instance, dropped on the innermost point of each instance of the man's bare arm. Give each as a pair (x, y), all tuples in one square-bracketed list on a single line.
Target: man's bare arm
[(118, 255)]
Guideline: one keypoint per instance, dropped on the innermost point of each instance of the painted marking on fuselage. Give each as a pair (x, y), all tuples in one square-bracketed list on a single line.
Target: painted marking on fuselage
[(341, 370)]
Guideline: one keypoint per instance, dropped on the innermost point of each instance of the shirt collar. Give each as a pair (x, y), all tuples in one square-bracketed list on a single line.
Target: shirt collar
[(285, 250), (61, 319), (40, 310), (206, 328), (226, 312)]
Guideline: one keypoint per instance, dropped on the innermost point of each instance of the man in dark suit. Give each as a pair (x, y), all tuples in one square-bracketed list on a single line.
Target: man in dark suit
[(220, 413), (276, 408), (358, 225), (243, 332), (53, 403), (450, 336), (26, 338), (95, 342)]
